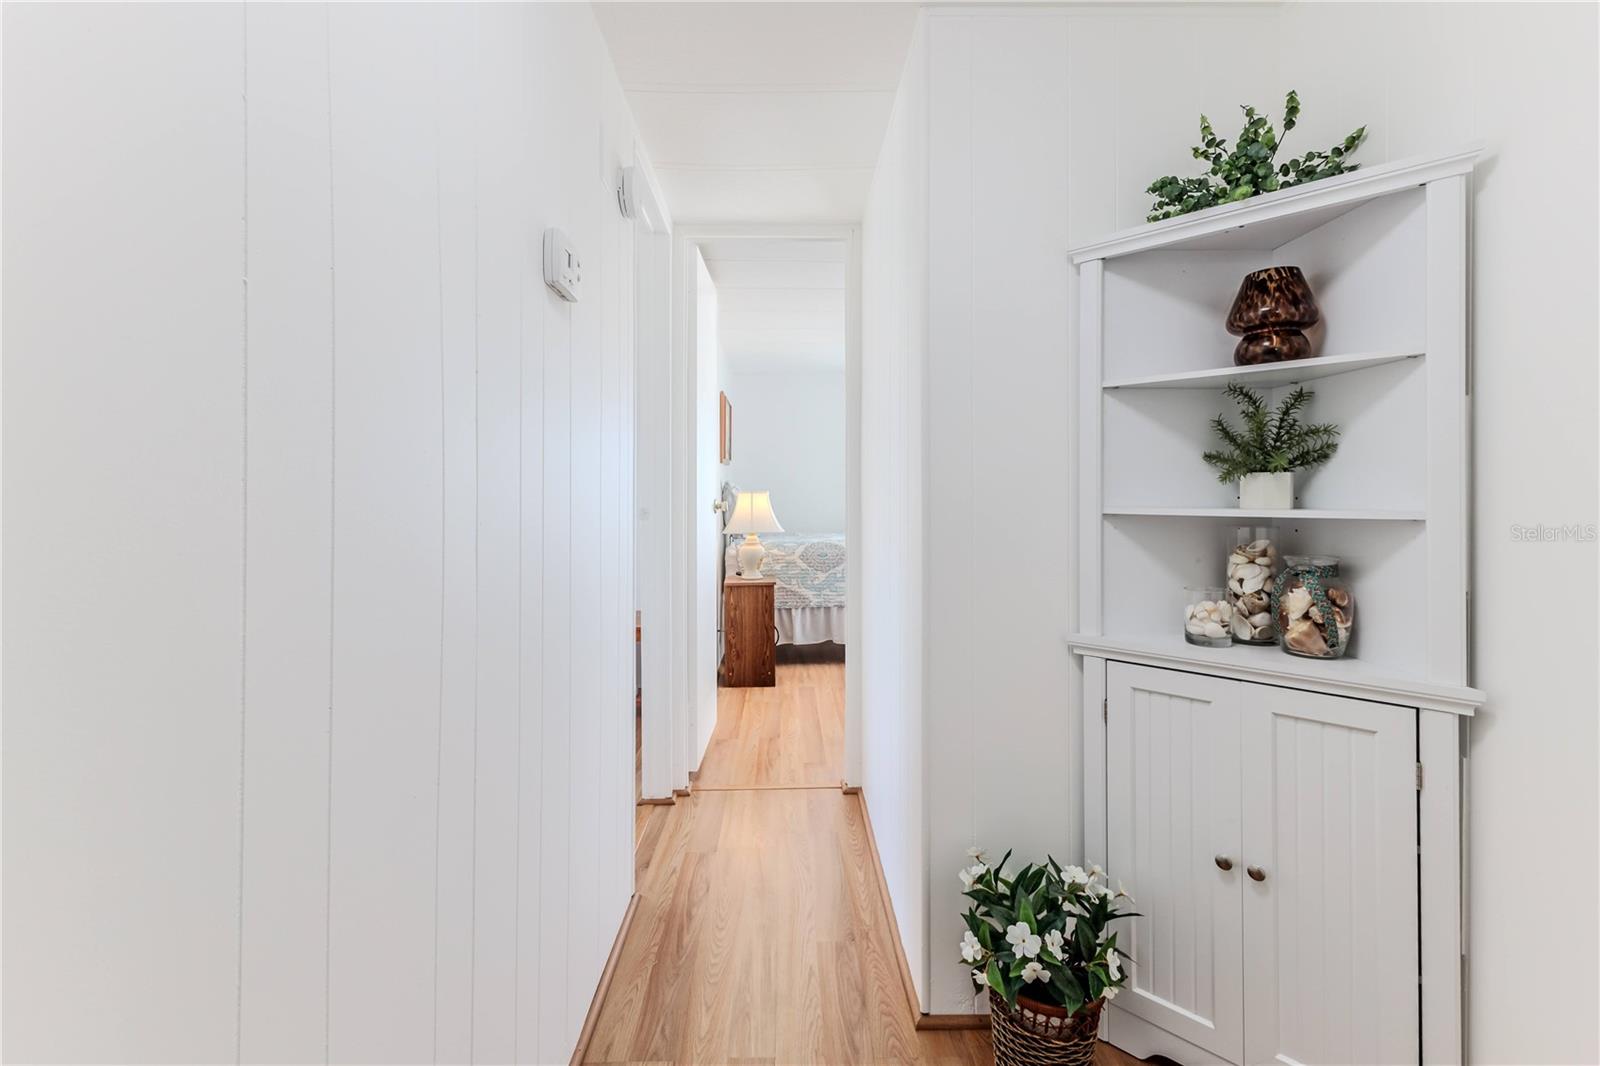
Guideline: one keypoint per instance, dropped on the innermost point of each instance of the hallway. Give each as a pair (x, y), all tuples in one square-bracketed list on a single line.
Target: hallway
[(760, 934)]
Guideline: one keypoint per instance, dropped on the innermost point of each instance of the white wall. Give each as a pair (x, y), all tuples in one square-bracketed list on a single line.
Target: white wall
[(788, 438), (1042, 133), (888, 554), (706, 599), (318, 533), (1430, 77)]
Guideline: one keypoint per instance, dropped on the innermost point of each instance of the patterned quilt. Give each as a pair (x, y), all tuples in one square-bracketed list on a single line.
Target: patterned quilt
[(810, 570)]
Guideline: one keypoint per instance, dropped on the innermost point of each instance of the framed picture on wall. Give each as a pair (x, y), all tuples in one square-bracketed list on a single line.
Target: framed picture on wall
[(724, 429)]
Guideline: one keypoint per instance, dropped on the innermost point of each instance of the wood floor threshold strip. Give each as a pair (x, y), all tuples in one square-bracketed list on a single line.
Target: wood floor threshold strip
[(592, 1019), (657, 801), (761, 788)]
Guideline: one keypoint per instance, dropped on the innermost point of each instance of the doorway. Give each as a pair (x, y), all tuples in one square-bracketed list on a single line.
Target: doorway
[(738, 292)]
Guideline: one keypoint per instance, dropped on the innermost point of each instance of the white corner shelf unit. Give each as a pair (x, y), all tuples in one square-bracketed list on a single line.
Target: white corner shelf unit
[(1292, 828)]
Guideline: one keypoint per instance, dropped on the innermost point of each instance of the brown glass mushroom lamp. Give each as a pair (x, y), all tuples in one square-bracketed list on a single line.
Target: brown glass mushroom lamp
[(1273, 307)]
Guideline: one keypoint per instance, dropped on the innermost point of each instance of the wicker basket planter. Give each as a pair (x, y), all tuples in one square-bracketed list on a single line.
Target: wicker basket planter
[(1037, 1034)]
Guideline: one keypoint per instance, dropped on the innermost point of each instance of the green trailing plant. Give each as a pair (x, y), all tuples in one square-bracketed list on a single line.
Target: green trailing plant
[(1270, 442), (1042, 933), (1250, 167)]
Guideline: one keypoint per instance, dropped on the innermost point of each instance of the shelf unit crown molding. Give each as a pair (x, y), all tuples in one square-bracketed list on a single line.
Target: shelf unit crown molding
[(1317, 202)]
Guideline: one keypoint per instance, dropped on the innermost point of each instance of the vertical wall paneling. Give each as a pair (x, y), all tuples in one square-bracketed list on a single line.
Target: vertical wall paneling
[(317, 741), (457, 210), (889, 549), (501, 195), (124, 383), (289, 475), (387, 520), (581, 183)]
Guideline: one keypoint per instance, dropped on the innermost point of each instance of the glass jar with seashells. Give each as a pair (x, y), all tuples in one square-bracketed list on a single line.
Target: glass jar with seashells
[(1206, 617), (1313, 607), (1252, 571)]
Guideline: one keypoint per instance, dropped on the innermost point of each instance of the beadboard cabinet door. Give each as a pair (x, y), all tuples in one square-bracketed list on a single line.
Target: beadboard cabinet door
[(1174, 839), (1330, 928)]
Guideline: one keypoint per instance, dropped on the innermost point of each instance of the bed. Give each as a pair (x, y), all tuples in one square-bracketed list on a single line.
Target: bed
[(809, 569)]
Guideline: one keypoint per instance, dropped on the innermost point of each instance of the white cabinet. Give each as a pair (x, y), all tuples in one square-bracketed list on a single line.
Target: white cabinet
[(1270, 837), (1350, 947)]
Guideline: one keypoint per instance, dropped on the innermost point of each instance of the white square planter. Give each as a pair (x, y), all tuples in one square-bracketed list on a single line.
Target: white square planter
[(1267, 492)]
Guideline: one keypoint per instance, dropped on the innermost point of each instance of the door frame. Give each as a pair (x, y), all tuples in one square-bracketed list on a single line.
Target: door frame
[(677, 763), (654, 434)]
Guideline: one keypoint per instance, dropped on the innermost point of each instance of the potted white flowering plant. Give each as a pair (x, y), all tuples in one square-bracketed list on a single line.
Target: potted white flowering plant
[(1038, 942)]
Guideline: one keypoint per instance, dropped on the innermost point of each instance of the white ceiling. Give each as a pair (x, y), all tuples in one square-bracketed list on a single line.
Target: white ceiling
[(780, 303), (761, 112)]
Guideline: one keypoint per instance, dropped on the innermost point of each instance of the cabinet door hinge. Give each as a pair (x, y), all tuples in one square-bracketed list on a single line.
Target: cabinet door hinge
[(1105, 715), (1419, 777)]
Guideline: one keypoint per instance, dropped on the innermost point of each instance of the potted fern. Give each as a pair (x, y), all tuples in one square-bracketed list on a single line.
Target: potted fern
[(1264, 453), (1038, 943)]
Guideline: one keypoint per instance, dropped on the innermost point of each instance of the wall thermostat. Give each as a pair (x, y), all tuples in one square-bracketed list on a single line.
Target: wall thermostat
[(562, 268)]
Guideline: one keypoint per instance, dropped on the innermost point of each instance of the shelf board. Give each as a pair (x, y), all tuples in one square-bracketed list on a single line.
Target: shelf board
[(1299, 513), (1273, 219), (1268, 375), (1272, 665)]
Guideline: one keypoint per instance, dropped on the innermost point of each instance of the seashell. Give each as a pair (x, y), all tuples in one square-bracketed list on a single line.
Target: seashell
[(1195, 626), (1188, 612), (1264, 560), (1296, 602), (1241, 628), (1248, 570), (1214, 629), (1224, 611), (1253, 603), (1256, 547), (1261, 620), (1253, 584), (1339, 596), (1315, 614), (1303, 636), (1236, 559)]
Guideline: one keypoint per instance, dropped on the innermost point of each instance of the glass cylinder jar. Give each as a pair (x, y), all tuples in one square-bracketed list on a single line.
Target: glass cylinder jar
[(1206, 615), (1313, 607), (1252, 571)]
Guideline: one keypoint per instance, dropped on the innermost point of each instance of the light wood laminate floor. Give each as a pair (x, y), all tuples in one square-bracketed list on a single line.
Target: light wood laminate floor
[(760, 935), (787, 736)]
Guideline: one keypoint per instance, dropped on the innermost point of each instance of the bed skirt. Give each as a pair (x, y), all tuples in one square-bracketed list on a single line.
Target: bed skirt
[(810, 625)]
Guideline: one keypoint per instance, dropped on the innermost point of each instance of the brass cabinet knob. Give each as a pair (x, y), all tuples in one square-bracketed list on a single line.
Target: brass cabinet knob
[(1256, 873), (1223, 862)]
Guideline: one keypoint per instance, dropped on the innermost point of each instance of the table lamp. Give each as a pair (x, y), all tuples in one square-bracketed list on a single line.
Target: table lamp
[(752, 514)]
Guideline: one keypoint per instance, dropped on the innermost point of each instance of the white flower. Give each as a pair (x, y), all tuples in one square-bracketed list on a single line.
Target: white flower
[(1052, 941), (1074, 875), (1096, 871), (971, 949), (1023, 940), (1034, 972), (980, 979), (975, 853), (1110, 993), (1071, 926), (1113, 965), (971, 874), (1122, 893)]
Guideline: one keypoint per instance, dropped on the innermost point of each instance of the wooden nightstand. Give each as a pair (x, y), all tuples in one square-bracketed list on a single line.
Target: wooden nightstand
[(749, 637)]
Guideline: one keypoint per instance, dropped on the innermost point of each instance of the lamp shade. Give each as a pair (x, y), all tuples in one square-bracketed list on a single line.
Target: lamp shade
[(752, 513)]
